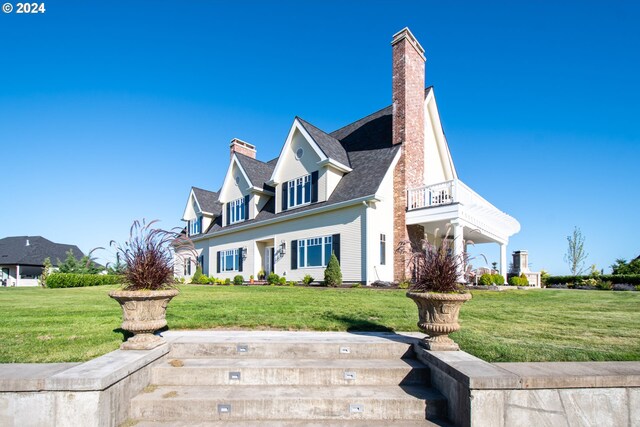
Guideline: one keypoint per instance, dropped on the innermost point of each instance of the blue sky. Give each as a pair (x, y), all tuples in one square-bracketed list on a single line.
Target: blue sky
[(111, 111)]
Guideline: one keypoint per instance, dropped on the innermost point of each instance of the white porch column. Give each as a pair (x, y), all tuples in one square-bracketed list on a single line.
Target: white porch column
[(458, 247), (17, 275), (503, 261)]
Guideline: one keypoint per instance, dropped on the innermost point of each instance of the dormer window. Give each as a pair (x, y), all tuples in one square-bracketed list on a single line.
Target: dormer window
[(195, 226), (299, 191), (237, 210)]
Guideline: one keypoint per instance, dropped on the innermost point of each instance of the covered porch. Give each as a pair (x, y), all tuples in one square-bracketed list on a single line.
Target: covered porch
[(452, 210)]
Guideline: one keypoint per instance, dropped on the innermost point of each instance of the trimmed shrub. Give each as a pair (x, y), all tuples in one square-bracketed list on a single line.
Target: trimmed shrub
[(497, 279), (72, 280), (197, 276), (518, 281), (291, 283), (404, 284), (227, 281), (333, 274), (307, 279), (282, 281), (273, 279), (485, 280), (631, 279), (238, 280)]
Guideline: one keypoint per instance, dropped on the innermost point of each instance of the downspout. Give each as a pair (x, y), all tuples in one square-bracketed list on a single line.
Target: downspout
[(366, 243)]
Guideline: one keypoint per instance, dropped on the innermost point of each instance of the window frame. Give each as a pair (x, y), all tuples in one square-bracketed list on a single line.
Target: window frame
[(195, 226), (299, 188), (303, 251), (235, 206), (235, 254)]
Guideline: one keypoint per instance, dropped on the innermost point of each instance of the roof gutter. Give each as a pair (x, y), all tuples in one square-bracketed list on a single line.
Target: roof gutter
[(286, 217)]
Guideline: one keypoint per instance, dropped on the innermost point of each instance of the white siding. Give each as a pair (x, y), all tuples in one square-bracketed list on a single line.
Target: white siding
[(346, 221), (333, 178), (380, 221)]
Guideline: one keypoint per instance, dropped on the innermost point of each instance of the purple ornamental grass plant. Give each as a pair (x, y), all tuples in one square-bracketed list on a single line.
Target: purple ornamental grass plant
[(148, 256), (436, 268)]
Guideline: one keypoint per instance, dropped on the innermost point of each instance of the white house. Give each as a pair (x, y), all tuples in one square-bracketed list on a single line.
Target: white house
[(22, 258), (357, 191)]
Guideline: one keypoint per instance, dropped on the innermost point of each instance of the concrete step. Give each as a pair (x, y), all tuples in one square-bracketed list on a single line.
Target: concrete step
[(294, 423), (294, 345), (228, 403), (201, 371)]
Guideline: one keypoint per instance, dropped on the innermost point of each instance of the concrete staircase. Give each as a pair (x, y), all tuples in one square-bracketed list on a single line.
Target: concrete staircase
[(289, 379)]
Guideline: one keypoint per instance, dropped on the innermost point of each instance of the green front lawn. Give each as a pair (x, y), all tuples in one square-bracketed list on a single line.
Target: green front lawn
[(53, 325)]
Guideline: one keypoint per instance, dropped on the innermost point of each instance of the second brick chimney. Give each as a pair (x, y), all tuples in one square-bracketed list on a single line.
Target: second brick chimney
[(242, 147), (408, 130)]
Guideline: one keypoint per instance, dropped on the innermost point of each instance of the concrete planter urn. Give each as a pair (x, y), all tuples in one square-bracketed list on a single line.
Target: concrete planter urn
[(438, 317), (143, 313)]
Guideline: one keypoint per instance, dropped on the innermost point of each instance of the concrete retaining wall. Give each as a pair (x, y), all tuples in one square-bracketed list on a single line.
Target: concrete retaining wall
[(482, 394), (96, 393)]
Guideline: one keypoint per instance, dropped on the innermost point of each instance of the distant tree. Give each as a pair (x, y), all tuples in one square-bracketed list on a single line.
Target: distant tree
[(494, 265), (70, 264), (46, 270), (85, 265), (117, 267), (576, 254), (623, 267)]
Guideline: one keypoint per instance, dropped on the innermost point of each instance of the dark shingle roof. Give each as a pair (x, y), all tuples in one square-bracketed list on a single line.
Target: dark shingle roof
[(14, 250), (367, 144), (329, 145), (208, 200), (257, 171)]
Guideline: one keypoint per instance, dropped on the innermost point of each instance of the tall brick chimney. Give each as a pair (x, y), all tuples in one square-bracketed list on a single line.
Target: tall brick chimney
[(408, 130), (242, 147)]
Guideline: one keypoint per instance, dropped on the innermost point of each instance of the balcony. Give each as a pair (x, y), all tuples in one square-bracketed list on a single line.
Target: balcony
[(454, 200)]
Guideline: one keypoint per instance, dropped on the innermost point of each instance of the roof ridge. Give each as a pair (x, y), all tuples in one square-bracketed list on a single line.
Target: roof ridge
[(361, 118)]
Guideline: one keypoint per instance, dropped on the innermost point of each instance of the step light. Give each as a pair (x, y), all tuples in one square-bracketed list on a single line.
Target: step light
[(234, 376), (356, 408), (345, 350), (242, 348), (224, 408), (348, 375)]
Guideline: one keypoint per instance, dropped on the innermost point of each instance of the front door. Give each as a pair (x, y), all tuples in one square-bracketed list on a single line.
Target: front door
[(268, 260)]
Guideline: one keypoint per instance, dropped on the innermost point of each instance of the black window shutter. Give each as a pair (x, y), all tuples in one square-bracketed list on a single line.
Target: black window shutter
[(240, 259), (336, 245), (314, 187), (246, 207), (200, 224), (228, 213), (285, 187), (294, 254), (219, 262)]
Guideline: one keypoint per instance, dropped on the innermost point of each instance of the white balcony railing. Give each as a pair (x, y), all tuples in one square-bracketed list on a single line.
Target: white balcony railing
[(443, 193), (477, 210)]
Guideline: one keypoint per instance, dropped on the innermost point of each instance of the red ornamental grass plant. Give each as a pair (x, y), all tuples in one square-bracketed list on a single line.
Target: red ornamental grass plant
[(148, 256), (436, 268)]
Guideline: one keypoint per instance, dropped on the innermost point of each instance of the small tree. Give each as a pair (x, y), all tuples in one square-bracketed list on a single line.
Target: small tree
[(333, 274), (46, 270), (70, 264), (623, 267), (576, 255), (197, 275)]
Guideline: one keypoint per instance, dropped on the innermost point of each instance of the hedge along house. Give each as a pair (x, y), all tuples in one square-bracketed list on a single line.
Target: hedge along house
[(357, 192), (22, 258)]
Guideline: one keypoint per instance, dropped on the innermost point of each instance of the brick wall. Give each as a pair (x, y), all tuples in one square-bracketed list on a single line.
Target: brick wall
[(408, 129)]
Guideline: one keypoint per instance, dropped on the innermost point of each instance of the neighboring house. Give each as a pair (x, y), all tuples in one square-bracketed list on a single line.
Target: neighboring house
[(22, 258), (357, 192)]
